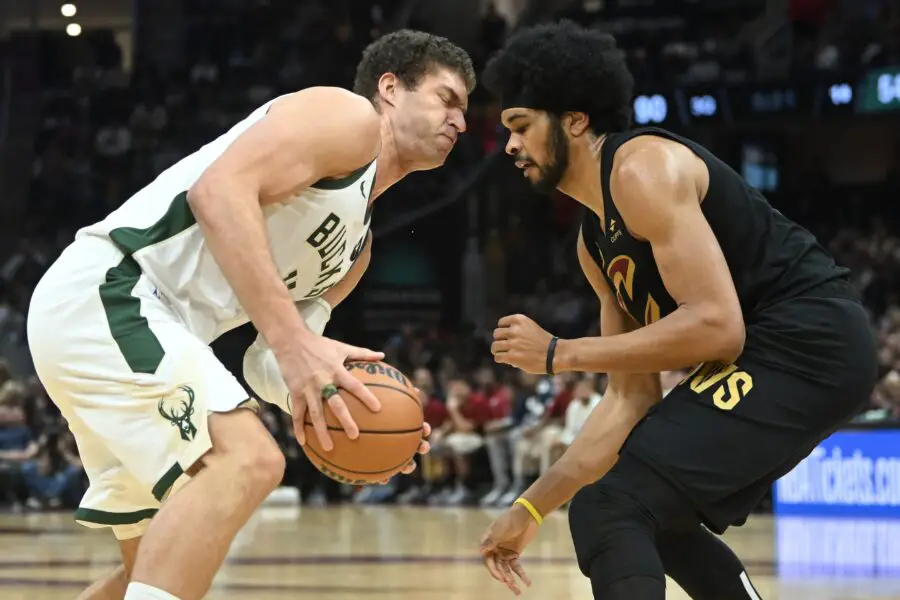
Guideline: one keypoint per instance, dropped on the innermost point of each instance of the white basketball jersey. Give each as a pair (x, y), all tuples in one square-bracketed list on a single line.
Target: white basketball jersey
[(314, 236)]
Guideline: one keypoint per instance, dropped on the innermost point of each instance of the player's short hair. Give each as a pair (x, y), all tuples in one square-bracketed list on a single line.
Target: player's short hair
[(410, 55), (562, 67)]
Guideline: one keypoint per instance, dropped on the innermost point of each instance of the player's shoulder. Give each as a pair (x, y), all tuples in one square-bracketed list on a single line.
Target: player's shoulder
[(336, 109), (645, 162)]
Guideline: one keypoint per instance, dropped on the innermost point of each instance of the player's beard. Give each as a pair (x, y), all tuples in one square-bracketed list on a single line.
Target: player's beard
[(558, 151)]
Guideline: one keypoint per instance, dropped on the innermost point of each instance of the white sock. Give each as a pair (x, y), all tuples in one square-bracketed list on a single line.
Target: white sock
[(141, 591)]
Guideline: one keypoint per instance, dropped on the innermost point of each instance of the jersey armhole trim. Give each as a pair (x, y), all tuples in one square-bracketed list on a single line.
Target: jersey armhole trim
[(342, 182)]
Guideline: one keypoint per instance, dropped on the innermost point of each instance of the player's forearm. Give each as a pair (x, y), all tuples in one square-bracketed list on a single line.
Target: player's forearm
[(593, 452), (682, 339), (235, 233)]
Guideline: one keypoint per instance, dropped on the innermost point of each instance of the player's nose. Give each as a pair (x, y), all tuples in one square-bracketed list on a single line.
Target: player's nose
[(459, 122), (513, 146)]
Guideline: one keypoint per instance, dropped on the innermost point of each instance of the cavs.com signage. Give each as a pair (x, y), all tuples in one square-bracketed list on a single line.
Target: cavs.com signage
[(852, 473)]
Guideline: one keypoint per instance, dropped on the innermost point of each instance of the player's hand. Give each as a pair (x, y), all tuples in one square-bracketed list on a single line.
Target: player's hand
[(504, 542), (424, 447), (310, 365), (521, 343)]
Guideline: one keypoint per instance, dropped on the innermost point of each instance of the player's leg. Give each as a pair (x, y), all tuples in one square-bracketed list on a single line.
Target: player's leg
[(113, 585), (190, 536), (704, 566), (152, 396), (615, 523)]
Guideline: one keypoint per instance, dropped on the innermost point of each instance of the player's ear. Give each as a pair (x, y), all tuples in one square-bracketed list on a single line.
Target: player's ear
[(387, 88), (576, 122)]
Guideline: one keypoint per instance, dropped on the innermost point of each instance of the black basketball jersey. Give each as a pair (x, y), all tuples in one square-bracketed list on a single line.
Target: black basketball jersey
[(770, 257)]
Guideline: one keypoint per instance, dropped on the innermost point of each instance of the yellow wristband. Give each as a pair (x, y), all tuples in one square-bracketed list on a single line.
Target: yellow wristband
[(530, 508)]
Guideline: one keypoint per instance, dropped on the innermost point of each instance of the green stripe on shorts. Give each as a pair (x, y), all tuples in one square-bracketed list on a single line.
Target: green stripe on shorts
[(166, 482), (131, 331), (89, 515)]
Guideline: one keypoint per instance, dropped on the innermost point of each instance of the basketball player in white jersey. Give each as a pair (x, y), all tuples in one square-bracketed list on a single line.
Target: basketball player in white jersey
[(272, 213)]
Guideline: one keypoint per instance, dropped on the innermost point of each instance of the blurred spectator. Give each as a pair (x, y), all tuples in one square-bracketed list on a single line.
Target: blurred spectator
[(532, 440), (460, 437)]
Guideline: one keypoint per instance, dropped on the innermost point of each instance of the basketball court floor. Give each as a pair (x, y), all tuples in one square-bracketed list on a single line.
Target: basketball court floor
[(354, 552)]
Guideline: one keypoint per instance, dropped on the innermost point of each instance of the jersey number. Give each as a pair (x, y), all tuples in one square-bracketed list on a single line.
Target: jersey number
[(731, 384)]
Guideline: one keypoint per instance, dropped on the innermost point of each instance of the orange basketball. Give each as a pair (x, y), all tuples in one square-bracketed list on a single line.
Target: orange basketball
[(387, 440)]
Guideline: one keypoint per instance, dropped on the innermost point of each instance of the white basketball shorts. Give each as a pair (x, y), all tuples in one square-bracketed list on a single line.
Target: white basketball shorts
[(135, 385)]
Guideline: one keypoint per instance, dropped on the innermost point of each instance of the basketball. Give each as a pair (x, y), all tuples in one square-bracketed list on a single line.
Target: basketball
[(387, 440)]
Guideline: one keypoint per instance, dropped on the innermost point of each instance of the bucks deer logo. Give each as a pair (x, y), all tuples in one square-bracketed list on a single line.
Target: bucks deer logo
[(179, 415)]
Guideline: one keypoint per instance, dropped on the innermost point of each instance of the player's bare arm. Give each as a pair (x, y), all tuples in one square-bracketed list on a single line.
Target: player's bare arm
[(302, 139), (594, 451), (658, 188), (627, 399), (305, 137)]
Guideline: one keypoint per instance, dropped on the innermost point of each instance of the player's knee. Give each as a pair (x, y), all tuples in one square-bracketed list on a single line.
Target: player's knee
[(601, 519), (263, 466), (243, 446)]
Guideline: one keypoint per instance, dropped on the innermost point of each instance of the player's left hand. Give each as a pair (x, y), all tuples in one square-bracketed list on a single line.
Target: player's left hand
[(424, 447), (521, 343), (504, 542)]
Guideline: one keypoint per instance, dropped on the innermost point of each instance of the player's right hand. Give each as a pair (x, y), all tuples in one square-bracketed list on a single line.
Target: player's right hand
[(307, 367)]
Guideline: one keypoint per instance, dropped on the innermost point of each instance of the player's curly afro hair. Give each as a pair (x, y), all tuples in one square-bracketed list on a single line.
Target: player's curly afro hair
[(562, 67), (409, 55)]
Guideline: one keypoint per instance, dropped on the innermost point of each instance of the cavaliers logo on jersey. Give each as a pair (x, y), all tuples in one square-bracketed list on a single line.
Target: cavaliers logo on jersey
[(621, 271)]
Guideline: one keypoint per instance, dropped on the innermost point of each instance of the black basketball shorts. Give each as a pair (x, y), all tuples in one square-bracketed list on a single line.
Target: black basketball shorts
[(728, 431)]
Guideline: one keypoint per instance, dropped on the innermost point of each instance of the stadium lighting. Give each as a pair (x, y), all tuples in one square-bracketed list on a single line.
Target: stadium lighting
[(68, 10), (73, 29)]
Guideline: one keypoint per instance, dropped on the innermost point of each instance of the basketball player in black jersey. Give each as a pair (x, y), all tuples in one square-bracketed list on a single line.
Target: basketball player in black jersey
[(693, 269)]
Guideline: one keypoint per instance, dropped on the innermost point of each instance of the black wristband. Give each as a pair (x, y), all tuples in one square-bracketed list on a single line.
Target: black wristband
[(551, 350)]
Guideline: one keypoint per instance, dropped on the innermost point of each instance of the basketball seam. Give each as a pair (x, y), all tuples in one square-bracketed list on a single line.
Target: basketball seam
[(390, 387), (337, 466), (371, 431)]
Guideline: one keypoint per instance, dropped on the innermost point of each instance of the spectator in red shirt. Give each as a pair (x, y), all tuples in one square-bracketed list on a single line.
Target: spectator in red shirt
[(428, 477), (498, 398), (459, 437)]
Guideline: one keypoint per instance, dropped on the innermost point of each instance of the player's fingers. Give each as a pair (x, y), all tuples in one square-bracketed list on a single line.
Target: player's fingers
[(490, 562), (501, 333), (409, 468), (517, 568), (426, 429), (343, 415), (508, 577), (499, 346), (424, 447), (508, 320), (317, 418), (298, 411), (357, 353), (356, 387)]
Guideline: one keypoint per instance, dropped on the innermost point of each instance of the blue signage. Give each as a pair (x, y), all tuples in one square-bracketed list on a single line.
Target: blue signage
[(838, 547), (853, 473)]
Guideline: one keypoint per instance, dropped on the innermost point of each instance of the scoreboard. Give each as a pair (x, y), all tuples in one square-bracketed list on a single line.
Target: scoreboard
[(879, 91), (876, 92)]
